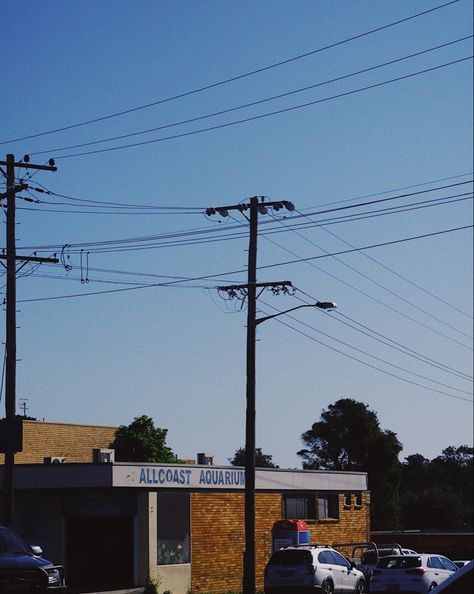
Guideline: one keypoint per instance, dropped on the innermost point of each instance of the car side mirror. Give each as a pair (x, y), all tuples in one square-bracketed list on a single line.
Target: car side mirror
[(36, 550)]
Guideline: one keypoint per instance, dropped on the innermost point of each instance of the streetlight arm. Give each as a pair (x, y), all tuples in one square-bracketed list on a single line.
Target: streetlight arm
[(318, 304)]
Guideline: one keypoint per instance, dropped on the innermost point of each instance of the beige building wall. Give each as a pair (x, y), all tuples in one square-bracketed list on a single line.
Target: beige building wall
[(66, 440)]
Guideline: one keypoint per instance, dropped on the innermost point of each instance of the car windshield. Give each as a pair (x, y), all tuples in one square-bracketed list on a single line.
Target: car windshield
[(399, 562), (11, 544), (291, 557)]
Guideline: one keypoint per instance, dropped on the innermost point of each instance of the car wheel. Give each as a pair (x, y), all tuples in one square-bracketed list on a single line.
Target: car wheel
[(360, 588), (432, 587), (327, 588)]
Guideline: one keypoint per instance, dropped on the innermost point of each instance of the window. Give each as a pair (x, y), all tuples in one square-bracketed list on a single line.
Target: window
[(358, 499), (300, 507), (173, 528), (325, 557), (447, 564), (435, 562), (340, 560), (328, 506), (347, 500)]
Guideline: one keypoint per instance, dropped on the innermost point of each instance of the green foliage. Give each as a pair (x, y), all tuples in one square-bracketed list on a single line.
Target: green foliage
[(141, 441), (151, 586), (261, 460), (438, 493), (349, 437)]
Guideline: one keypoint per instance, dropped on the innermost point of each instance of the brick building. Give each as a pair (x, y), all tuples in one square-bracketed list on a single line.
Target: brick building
[(74, 443), (116, 525)]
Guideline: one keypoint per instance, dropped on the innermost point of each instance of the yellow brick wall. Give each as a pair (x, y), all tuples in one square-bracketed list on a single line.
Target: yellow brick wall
[(218, 535), (73, 442)]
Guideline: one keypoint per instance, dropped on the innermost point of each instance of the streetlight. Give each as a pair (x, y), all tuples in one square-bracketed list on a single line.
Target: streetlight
[(319, 304), (252, 323)]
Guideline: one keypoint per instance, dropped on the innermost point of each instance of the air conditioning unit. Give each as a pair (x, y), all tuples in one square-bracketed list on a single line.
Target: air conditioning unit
[(207, 459), (103, 456), (54, 460)]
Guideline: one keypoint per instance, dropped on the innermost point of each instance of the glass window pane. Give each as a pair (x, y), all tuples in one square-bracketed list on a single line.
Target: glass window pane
[(447, 564), (340, 560), (173, 528), (435, 562)]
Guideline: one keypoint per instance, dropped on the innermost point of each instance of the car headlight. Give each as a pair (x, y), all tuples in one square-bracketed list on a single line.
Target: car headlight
[(54, 577)]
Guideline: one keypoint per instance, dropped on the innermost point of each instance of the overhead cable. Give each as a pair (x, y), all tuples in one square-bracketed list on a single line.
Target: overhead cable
[(237, 77)]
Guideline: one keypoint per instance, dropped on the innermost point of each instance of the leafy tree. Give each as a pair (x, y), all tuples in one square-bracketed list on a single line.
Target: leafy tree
[(261, 460), (437, 507), (349, 437), (141, 441), (438, 493)]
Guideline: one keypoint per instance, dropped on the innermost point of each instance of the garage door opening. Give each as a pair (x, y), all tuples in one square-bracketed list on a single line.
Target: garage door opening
[(99, 553)]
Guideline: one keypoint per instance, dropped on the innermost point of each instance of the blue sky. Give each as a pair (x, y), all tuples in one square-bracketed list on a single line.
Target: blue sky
[(93, 353)]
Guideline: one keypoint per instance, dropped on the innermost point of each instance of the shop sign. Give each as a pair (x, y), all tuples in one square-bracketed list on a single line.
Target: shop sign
[(182, 477)]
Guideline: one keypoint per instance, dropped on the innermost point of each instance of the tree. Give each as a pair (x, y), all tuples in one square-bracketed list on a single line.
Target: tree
[(141, 441), (438, 493), (261, 460), (349, 437)]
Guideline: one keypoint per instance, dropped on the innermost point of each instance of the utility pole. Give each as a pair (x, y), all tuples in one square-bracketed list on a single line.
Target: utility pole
[(255, 206), (10, 367)]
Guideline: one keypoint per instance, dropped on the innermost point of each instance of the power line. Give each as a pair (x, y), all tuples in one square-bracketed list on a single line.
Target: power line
[(223, 274), (266, 115), (221, 230), (360, 360), (326, 254), (252, 103), (397, 274), (235, 78), (390, 342), (379, 359), (378, 284)]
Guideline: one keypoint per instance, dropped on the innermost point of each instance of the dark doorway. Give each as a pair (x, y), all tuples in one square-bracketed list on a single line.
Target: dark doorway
[(99, 553)]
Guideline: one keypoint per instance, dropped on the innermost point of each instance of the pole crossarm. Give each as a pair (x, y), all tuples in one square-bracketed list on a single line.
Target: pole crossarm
[(256, 285), (261, 206), (50, 167), (14, 190), (30, 259)]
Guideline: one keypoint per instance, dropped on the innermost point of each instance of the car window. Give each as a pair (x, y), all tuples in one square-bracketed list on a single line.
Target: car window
[(434, 562), (325, 557), (399, 562), (340, 560), (291, 557), (448, 564)]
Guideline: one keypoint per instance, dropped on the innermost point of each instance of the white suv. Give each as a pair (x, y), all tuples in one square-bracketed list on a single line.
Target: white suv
[(312, 569), (414, 573)]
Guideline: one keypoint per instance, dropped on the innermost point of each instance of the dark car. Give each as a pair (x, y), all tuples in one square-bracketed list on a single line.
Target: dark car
[(22, 569)]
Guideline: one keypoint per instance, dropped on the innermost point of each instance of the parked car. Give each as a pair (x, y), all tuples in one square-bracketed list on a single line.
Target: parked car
[(23, 569), (461, 582), (460, 563), (411, 573), (312, 569)]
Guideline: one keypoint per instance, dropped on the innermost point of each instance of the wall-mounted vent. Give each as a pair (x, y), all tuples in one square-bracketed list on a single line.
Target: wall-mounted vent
[(54, 460), (207, 459), (103, 456)]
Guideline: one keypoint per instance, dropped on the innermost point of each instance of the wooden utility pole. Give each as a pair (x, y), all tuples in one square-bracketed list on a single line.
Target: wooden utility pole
[(255, 206), (10, 367)]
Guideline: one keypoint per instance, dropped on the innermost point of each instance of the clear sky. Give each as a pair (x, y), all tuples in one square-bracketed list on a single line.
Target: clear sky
[(127, 331)]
